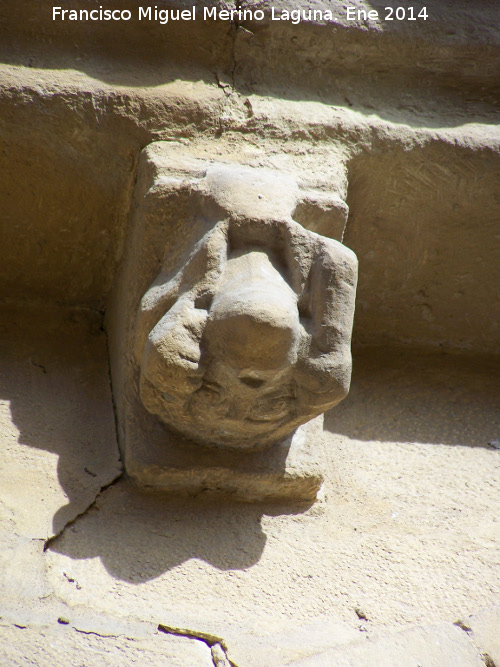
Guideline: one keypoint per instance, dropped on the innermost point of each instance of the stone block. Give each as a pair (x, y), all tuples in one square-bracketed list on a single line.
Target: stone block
[(430, 646), (230, 328)]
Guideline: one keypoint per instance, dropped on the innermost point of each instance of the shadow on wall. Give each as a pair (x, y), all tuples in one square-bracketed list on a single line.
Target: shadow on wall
[(393, 65), (421, 223), (410, 395), (54, 378), (393, 99), (140, 535)]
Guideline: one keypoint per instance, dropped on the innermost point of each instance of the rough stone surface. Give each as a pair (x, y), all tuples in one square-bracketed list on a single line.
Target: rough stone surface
[(440, 646), (291, 469), (58, 436), (95, 116), (485, 627), (401, 120), (395, 542), (60, 644), (408, 473), (243, 335), (59, 447), (251, 336)]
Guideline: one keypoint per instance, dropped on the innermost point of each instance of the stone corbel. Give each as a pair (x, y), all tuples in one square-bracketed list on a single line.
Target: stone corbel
[(230, 328)]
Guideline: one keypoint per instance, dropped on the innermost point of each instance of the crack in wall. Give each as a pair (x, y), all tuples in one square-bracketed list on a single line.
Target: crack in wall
[(219, 657), (217, 645), (50, 541), (485, 657), (227, 88), (103, 635), (235, 25), (223, 86)]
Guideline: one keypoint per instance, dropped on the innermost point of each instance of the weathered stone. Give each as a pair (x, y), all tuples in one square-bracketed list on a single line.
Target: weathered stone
[(59, 643), (399, 119), (396, 534), (280, 643), (290, 469), (56, 416), (243, 336), (219, 656), (58, 436), (485, 626), (439, 646), (251, 336), (79, 129)]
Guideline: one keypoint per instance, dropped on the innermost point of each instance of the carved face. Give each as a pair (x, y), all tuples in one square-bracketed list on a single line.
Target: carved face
[(250, 346), (232, 362)]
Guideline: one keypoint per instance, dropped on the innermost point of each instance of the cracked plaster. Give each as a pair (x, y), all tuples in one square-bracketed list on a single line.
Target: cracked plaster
[(270, 584), (276, 584), (55, 644), (58, 436)]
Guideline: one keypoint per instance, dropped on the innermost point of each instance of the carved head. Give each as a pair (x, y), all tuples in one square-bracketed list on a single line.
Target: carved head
[(251, 337)]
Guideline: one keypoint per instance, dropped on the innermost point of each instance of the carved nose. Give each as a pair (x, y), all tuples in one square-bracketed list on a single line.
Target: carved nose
[(254, 337), (254, 318)]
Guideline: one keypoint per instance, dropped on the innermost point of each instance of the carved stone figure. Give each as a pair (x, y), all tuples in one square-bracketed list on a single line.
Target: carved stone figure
[(231, 324), (250, 337)]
